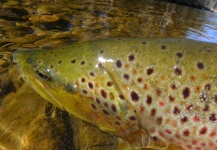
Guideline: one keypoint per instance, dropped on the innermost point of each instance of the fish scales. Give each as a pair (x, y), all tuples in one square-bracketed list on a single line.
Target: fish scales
[(151, 92)]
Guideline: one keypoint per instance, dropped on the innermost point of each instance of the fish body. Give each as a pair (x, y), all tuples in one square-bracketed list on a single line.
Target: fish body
[(151, 92)]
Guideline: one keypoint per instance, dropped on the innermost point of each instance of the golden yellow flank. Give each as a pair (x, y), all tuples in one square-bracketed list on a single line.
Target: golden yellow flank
[(150, 92)]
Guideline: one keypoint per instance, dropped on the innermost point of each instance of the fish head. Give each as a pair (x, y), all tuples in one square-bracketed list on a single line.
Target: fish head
[(77, 82)]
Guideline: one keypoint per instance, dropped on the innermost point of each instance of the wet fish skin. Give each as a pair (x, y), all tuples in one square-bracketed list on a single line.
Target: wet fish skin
[(151, 92)]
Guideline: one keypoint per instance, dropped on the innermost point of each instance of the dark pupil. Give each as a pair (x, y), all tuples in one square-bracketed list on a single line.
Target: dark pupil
[(41, 75)]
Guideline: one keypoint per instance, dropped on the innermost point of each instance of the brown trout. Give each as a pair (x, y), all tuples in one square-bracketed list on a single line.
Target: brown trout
[(151, 92)]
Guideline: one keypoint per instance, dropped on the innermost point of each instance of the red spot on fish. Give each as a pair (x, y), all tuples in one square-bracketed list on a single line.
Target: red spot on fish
[(212, 134), (142, 108), (203, 130), (161, 103), (105, 104), (161, 134), (194, 142), (203, 144), (197, 148), (192, 78), (189, 146), (168, 131), (197, 88), (186, 132), (177, 136), (196, 118), (145, 87)]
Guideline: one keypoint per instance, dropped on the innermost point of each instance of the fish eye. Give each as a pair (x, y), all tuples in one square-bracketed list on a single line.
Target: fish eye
[(43, 74)]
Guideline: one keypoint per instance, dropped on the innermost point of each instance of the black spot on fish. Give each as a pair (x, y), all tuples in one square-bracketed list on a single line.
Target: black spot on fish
[(212, 117), (144, 42), (60, 61), (159, 120), (173, 86), (132, 118), (90, 85), (105, 112), (179, 55), (207, 87), (189, 107), (84, 91), (186, 92), (93, 106), (109, 83), (105, 104), (82, 62), (118, 64), (171, 98), (51, 66), (113, 107), (134, 96), (126, 76), (154, 138), (103, 94), (206, 108), (101, 52), (73, 61), (121, 96), (149, 100), (203, 130), (184, 119), (150, 71), (98, 101), (153, 112), (176, 110), (178, 71), (131, 57), (92, 74), (200, 65), (163, 47), (83, 80), (139, 80), (100, 65), (117, 123)]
